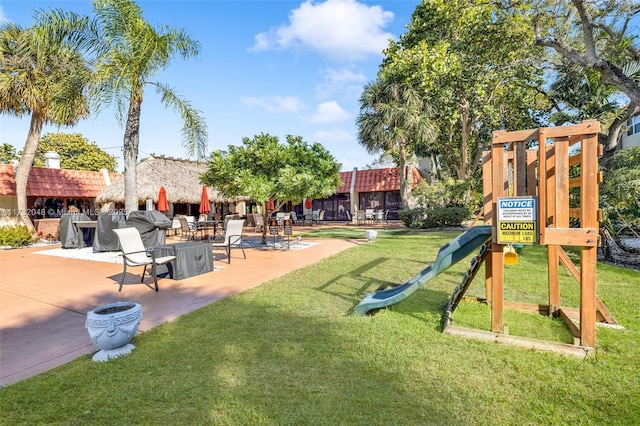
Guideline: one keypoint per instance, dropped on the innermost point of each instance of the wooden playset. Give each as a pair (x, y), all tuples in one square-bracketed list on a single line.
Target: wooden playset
[(526, 201)]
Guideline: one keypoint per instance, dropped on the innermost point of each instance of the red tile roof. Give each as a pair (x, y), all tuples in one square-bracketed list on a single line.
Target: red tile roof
[(374, 180), (58, 183), (346, 183)]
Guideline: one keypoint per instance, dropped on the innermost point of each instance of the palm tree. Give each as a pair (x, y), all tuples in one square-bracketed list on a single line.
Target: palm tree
[(394, 118), (128, 53), (42, 76)]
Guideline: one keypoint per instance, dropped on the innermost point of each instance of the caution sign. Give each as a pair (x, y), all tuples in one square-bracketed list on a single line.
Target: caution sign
[(517, 222), (517, 233)]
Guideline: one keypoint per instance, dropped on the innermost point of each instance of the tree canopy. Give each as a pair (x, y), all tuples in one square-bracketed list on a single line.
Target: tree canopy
[(394, 118), (265, 169), (127, 53), (7, 153), (44, 76), (76, 152), (476, 65)]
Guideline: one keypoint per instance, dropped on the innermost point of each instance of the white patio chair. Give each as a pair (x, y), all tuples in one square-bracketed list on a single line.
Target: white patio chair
[(135, 254), (232, 237)]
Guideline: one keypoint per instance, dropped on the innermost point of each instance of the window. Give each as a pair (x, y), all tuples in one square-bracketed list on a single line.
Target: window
[(633, 125)]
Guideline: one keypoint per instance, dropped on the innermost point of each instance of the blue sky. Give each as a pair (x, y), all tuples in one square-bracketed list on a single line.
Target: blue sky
[(278, 67)]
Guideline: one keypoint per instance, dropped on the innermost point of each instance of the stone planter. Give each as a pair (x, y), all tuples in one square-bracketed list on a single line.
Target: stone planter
[(111, 327)]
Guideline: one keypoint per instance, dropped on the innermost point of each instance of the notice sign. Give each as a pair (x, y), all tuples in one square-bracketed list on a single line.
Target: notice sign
[(517, 223)]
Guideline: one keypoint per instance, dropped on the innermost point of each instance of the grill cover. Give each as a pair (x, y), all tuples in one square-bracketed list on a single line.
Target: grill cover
[(105, 239), (70, 235), (151, 225)]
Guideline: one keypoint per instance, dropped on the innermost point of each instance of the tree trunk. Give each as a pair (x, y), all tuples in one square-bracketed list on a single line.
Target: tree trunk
[(26, 161), (265, 219), (405, 190), (130, 154), (465, 134)]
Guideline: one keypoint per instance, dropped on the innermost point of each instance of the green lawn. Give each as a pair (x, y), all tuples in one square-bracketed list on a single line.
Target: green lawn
[(291, 352)]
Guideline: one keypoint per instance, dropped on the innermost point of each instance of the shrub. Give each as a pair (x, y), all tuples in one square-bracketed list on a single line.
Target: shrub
[(15, 236), (423, 218)]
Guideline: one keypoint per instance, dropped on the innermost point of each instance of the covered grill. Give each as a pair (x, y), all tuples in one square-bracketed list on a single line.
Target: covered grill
[(151, 224)]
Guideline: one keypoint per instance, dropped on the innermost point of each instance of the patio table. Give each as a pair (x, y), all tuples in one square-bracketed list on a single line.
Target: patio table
[(192, 258)]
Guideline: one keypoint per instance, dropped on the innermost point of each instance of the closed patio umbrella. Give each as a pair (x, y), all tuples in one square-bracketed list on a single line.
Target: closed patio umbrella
[(271, 205), (163, 205), (205, 207), (308, 204)]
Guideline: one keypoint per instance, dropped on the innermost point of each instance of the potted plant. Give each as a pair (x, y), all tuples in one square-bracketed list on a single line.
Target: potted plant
[(111, 328)]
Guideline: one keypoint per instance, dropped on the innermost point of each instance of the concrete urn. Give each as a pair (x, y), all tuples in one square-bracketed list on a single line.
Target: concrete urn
[(111, 327), (371, 234)]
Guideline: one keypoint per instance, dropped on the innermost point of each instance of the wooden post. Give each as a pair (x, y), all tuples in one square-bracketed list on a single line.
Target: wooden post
[(542, 185), (588, 255), (552, 214), (497, 260)]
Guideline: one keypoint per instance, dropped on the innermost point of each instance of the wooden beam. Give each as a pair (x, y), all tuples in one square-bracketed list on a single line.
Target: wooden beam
[(497, 288), (502, 136), (585, 128), (577, 181), (583, 237), (576, 214), (562, 184), (523, 342), (528, 307), (520, 170), (532, 167), (605, 314), (573, 328)]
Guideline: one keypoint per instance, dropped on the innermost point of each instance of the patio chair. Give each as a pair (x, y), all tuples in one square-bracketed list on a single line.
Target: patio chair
[(232, 237), (294, 217), (320, 218), (258, 221), (189, 230), (175, 226), (134, 254)]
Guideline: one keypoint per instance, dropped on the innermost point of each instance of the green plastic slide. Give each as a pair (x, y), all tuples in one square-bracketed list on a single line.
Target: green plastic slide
[(449, 254)]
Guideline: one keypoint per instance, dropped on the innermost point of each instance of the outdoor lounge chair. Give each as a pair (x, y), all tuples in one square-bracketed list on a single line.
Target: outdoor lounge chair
[(134, 254), (232, 237)]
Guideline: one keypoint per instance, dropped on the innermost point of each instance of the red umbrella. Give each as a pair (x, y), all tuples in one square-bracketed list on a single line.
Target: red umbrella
[(163, 205), (271, 205), (307, 204), (205, 207)]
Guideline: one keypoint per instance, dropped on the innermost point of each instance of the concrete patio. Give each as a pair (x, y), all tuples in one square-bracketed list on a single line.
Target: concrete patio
[(44, 299)]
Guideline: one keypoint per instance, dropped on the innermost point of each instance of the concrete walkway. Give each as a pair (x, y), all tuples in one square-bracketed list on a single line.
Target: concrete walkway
[(44, 299)]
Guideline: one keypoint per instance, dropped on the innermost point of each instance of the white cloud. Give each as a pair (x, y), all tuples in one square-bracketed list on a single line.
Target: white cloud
[(345, 82), (338, 29), (329, 112), (276, 103)]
